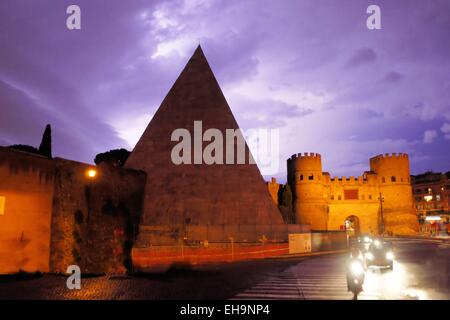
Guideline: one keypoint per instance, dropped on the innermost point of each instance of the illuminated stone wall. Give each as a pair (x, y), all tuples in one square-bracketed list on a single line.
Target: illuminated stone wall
[(274, 188), (325, 202), (95, 219), (56, 216), (26, 184)]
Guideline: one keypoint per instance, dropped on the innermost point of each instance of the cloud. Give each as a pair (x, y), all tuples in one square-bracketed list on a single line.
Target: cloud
[(265, 113), (393, 76), (362, 56), (429, 136), (277, 66), (422, 110), (446, 130), (16, 127)]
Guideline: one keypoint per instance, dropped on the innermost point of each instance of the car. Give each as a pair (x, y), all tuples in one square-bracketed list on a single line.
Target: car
[(379, 254), (362, 241)]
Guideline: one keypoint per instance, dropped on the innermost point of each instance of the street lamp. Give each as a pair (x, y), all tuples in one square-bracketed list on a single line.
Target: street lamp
[(381, 218), (91, 173)]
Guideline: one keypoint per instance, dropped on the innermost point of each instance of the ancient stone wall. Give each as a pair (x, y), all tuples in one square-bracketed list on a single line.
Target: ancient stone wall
[(55, 215), (305, 178), (95, 219), (325, 202), (274, 188), (26, 186)]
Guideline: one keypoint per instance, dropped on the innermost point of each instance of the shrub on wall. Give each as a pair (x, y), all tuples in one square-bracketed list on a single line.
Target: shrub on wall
[(116, 157)]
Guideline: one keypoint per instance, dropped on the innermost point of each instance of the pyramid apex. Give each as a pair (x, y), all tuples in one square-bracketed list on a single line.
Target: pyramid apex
[(198, 52)]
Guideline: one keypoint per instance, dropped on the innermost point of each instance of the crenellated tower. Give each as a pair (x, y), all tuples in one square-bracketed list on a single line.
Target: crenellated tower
[(306, 181), (393, 177)]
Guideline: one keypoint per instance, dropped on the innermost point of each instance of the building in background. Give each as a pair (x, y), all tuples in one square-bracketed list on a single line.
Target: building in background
[(431, 193), (379, 201)]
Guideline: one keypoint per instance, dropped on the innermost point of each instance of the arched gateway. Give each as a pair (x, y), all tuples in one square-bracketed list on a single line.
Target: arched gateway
[(352, 225)]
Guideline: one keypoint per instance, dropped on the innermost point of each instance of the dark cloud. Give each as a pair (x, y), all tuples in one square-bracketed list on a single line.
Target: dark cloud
[(393, 76), (23, 120), (279, 65), (362, 56)]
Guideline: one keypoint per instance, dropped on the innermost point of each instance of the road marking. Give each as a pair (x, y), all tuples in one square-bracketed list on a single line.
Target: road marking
[(316, 279)]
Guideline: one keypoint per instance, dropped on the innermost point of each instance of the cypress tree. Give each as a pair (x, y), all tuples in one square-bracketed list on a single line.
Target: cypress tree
[(45, 148)]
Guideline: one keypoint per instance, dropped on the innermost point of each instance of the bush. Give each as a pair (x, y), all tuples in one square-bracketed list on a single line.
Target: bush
[(26, 148), (116, 157)]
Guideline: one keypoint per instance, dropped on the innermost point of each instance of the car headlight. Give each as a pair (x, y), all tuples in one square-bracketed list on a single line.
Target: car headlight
[(369, 256), (390, 255), (367, 239), (356, 268)]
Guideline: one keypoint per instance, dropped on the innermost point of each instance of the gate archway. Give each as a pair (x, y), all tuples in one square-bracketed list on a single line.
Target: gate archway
[(352, 225)]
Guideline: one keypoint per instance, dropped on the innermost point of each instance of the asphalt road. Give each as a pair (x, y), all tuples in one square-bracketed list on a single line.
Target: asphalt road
[(421, 271)]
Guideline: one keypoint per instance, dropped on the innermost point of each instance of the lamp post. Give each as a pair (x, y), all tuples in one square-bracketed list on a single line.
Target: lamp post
[(91, 173), (381, 218)]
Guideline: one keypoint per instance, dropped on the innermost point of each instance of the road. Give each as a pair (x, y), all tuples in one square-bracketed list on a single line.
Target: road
[(421, 271)]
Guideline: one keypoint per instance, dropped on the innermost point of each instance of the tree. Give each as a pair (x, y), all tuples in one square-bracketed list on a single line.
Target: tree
[(45, 148), (116, 157), (285, 204), (24, 147)]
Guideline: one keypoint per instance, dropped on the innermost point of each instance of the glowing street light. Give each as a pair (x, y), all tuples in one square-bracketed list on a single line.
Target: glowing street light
[(91, 173)]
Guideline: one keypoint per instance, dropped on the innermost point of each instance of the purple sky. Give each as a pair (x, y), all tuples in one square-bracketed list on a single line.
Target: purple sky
[(310, 68)]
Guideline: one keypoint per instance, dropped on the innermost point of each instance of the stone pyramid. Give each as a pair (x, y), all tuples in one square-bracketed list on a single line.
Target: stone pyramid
[(196, 196)]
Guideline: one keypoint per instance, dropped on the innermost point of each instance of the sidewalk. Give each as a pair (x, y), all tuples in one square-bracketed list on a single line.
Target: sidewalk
[(308, 254), (420, 237)]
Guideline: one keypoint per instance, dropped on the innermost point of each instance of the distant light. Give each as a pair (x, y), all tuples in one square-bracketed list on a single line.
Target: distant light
[(91, 173), (428, 198), (433, 218)]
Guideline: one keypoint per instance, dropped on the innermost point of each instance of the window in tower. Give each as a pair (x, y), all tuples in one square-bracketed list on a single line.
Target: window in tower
[(301, 177), (351, 194), (393, 179), (383, 180), (311, 177)]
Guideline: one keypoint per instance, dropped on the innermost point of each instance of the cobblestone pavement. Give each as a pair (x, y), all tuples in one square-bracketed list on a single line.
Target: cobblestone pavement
[(218, 281)]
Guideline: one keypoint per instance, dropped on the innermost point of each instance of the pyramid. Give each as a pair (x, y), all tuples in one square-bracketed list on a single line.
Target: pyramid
[(206, 199)]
